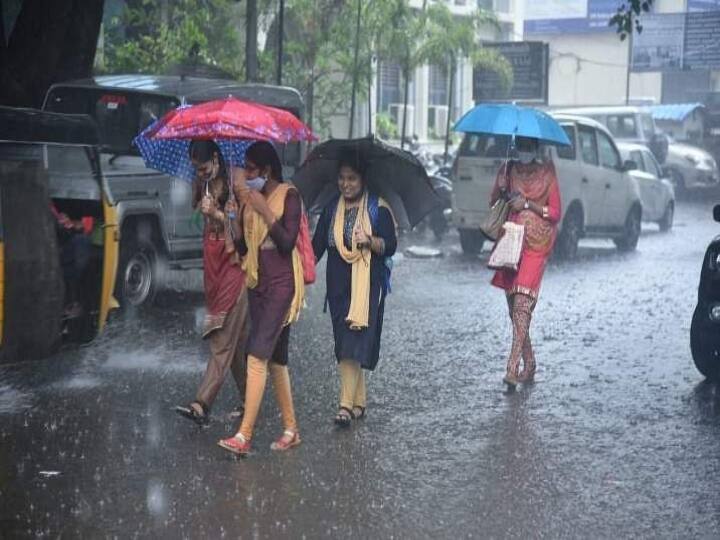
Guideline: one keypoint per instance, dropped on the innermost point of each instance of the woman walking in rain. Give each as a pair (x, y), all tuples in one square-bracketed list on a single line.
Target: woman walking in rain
[(358, 232), (535, 203), (266, 234), (226, 323)]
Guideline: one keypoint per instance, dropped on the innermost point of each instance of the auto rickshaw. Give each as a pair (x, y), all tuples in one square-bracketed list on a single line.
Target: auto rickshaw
[(49, 176)]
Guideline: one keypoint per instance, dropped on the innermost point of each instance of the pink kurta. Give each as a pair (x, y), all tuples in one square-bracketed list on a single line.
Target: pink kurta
[(538, 183)]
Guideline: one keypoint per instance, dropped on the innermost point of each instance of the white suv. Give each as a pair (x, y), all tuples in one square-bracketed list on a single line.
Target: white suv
[(599, 197)]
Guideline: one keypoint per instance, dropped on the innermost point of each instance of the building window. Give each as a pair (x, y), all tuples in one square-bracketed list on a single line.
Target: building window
[(391, 85), (438, 85)]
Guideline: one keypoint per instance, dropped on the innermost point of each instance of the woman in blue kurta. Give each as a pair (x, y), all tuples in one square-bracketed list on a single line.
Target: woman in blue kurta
[(357, 230)]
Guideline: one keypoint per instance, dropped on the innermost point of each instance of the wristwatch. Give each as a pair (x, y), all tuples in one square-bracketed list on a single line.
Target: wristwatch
[(526, 206)]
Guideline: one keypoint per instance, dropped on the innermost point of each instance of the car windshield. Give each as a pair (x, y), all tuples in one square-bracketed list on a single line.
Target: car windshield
[(622, 126), (486, 146), (120, 115), (648, 125)]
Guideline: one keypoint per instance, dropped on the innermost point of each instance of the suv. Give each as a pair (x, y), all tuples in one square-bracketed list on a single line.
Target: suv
[(688, 166), (157, 223), (705, 328), (599, 197)]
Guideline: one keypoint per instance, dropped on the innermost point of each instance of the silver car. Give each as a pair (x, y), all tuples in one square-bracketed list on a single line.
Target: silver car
[(656, 191)]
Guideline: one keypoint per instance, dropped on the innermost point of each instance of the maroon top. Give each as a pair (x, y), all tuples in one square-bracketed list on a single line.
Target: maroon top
[(270, 300)]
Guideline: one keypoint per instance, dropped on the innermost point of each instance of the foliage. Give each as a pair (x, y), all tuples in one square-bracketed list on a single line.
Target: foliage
[(628, 15), (152, 36), (386, 127)]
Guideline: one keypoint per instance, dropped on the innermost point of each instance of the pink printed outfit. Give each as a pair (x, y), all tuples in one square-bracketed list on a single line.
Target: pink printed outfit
[(536, 182)]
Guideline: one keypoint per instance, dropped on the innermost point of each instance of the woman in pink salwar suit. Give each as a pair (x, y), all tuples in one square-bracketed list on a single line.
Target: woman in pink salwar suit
[(535, 203)]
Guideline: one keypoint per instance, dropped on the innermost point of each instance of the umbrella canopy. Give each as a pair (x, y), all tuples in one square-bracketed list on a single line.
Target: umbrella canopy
[(513, 120), (172, 156), (394, 174), (231, 118)]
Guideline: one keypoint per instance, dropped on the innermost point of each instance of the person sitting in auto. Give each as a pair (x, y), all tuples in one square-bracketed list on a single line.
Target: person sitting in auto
[(76, 247)]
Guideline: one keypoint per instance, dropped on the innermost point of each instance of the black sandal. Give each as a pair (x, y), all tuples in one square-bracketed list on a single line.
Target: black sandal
[(361, 414), (191, 413), (344, 420)]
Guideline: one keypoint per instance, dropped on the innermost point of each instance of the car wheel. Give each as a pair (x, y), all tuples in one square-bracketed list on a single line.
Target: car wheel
[(569, 237), (706, 359), (629, 240), (137, 280), (471, 241), (666, 222)]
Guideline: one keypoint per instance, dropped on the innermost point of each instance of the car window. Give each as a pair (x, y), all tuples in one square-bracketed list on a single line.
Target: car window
[(609, 157), (488, 146), (588, 148), (622, 126), (120, 115), (70, 173), (648, 126), (637, 157), (568, 152), (651, 164)]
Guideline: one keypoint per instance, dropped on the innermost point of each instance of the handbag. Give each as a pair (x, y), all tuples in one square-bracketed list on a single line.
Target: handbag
[(495, 219), (493, 223), (506, 253)]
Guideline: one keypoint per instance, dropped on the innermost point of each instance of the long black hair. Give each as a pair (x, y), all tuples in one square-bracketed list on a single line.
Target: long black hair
[(263, 154), (203, 151), (351, 158)]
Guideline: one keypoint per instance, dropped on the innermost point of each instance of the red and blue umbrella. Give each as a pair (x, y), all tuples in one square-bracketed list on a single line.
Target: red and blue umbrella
[(232, 123)]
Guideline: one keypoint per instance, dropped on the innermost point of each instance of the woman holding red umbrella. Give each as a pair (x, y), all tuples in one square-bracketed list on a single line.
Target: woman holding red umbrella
[(226, 323)]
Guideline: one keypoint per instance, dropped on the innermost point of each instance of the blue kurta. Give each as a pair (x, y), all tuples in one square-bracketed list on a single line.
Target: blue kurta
[(363, 346)]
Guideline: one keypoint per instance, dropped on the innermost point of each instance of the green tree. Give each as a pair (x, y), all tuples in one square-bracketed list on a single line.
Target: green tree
[(449, 39), (628, 16), (153, 37)]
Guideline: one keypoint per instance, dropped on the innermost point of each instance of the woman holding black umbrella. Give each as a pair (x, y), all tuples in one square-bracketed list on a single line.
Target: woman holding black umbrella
[(357, 231)]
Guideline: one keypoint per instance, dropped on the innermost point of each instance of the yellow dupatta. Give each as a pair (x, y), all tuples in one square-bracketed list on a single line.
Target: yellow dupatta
[(256, 231), (358, 313)]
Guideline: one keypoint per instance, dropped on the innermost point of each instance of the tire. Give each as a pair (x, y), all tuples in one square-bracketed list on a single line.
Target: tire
[(666, 222), (706, 359), (566, 247), (633, 224), (34, 286), (471, 241), (137, 277)]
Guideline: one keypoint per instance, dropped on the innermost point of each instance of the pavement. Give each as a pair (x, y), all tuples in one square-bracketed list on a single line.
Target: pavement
[(619, 437)]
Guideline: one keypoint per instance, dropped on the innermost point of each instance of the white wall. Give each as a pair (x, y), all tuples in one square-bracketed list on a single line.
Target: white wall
[(586, 69)]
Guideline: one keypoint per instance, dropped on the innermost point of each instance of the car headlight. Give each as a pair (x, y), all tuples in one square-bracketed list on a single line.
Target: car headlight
[(692, 159), (715, 313)]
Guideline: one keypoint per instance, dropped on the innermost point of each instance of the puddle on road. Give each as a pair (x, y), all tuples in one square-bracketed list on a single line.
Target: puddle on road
[(13, 401)]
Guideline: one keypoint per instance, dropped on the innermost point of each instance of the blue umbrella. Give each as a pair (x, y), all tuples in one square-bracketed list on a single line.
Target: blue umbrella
[(513, 120), (172, 157)]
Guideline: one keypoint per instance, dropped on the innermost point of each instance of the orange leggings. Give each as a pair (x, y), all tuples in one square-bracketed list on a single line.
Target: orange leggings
[(257, 372)]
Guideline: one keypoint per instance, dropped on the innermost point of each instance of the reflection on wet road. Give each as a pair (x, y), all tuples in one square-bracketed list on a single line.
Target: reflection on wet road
[(619, 436)]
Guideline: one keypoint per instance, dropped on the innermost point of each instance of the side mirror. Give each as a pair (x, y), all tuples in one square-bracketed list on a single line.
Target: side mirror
[(629, 165), (716, 212)]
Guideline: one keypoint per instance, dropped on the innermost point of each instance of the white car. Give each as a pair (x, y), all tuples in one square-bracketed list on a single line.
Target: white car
[(690, 167), (599, 197), (656, 191), (687, 166)]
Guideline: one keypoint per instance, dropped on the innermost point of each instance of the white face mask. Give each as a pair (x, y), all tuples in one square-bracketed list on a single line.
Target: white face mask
[(256, 183), (526, 157)]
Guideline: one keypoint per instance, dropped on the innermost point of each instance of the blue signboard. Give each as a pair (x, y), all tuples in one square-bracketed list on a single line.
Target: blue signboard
[(703, 5), (569, 16)]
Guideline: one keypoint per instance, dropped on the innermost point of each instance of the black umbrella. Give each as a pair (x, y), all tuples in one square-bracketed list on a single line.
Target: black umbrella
[(392, 173)]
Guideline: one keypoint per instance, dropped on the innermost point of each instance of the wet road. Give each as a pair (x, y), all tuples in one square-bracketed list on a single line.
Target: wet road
[(619, 437)]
